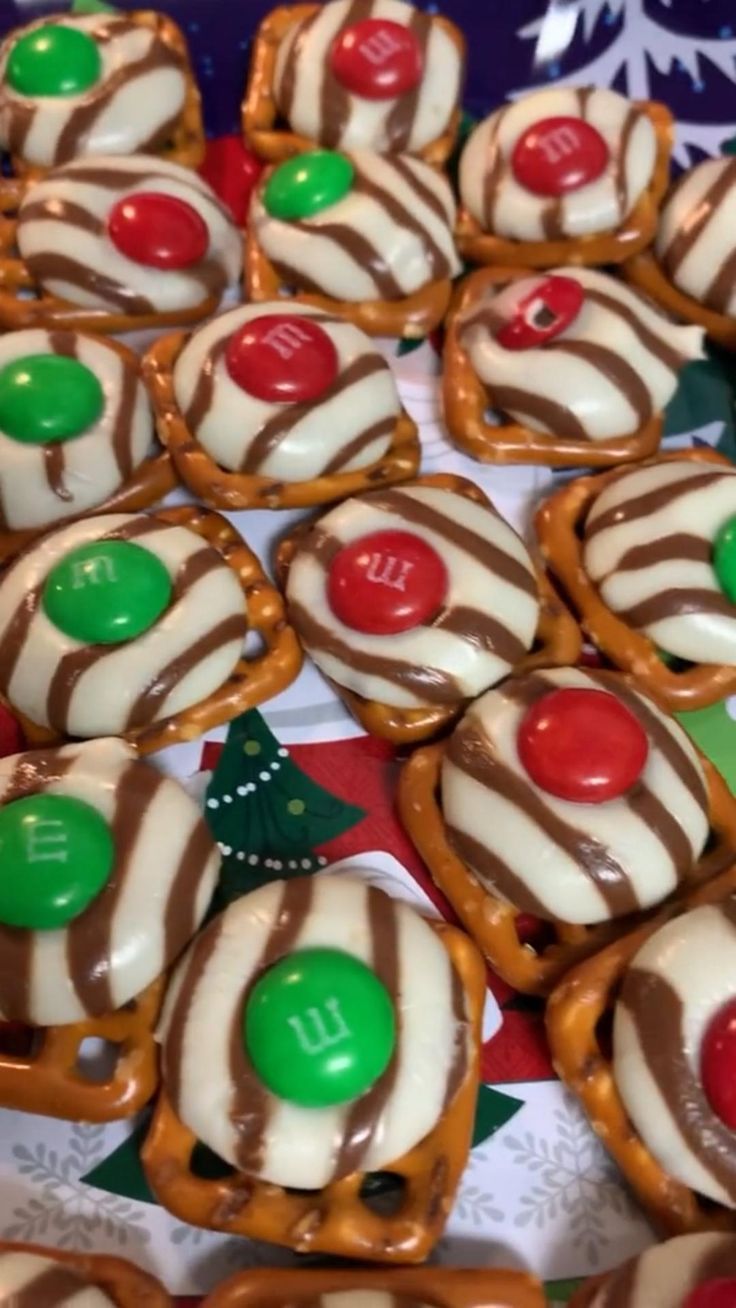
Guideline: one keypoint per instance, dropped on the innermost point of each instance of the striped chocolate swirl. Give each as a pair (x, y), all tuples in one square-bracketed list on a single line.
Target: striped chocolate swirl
[(31, 1280), (315, 104), (133, 108), (606, 375), (96, 690), (667, 1273), (676, 984), (209, 1077), (349, 426), (695, 241), (490, 192), (648, 547), (62, 237), (571, 862), (485, 626), (44, 484), (390, 236), (162, 880)]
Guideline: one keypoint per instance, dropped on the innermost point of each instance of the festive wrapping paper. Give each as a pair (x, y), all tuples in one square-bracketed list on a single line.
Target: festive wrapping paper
[(296, 788)]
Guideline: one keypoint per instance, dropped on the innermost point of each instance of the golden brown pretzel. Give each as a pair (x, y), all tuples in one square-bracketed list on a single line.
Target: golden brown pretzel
[(127, 1285), (575, 1010), (260, 114), (492, 922), (466, 399), (557, 640), (443, 1287), (634, 234), (559, 523), (219, 488), (187, 144), (47, 1079), (334, 1220), (585, 1294), (413, 316), (253, 680), (150, 482), (645, 272)]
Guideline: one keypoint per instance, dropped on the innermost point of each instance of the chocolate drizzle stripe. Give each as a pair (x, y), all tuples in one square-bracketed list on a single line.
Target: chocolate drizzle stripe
[(334, 98), (661, 349), (728, 910), (180, 912), (202, 395), (57, 210), (677, 548), (720, 290), (296, 278), (482, 630), (718, 1261), (89, 936), (652, 501), (122, 427), (364, 1114), (404, 219), (400, 121), (287, 83), (622, 375), (54, 463), (698, 218), (495, 873), (494, 172), (657, 1013), (419, 513), (251, 1101), (676, 603), (552, 220), (471, 751), (459, 1060), (551, 414), (414, 180), (285, 419), (357, 247), (381, 429), (50, 1287), (21, 118), (49, 266), (172, 1051), (150, 703), (621, 180)]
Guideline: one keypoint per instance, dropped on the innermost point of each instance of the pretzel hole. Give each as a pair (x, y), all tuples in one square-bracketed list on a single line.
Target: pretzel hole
[(97, 1059), (20, 1041), (207, 1165), (534, 933), (383, 1193), (604, 1033), (495, 417), (255, 645)]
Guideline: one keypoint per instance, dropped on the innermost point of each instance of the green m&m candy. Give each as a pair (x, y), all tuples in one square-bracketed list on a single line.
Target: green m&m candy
[(54, 60), (319, 1028), (305, 185), (47, 397), (56, 854), (724, 559), (106, 592)]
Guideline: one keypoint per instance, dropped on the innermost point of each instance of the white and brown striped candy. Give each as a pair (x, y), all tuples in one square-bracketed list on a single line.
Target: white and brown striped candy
[(390, 236), (560, 860), (348, 427), (29, 1280), (501, 205), (696, 239), (133, 107), (62, 237), (210, 1079), (675, 985), (485, 626), (316, 105), (163, 876), (648, 548), (606, 375), (357, 1299), (44, 484), (664, 1276), (103, 690)]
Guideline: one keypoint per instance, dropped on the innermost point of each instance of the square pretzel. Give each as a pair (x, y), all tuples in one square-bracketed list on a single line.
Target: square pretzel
[(150, 482), (492, 922), (253, 680), (583, 999), (336, 1219), (187, 143), (219, 488), (557, 641), (633, 234), (412, 317), (466, 400), (443, 1287), (559, 523), (646, 273), (40, 1072), (127, 1285), (272, 139)]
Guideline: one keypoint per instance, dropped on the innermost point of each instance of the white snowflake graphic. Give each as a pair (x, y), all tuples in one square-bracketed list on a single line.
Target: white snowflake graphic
[(473, 1203), (642, 42), (65, 1211), (571, 1174)]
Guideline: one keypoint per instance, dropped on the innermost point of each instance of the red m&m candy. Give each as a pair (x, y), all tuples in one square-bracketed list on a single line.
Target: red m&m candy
[(719, 1293), (281, 357), (158, 230), (377, 59), (386, 582), (718, 1065), (558, 155), (544, 313), (582, 745)]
